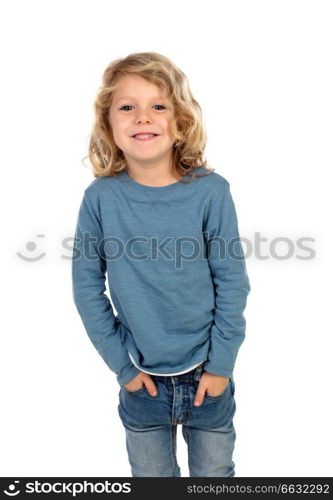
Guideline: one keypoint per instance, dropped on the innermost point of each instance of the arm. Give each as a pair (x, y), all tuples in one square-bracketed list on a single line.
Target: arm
[(231, 283), (88, 285)]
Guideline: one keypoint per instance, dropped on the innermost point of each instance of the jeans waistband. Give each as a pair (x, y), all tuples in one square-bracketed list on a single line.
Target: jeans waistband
[(194, 374)]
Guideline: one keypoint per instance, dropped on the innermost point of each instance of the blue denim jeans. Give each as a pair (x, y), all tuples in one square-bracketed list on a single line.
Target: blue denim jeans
[(150, 424)]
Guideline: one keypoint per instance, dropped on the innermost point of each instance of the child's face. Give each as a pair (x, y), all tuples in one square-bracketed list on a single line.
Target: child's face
[(140, 106)]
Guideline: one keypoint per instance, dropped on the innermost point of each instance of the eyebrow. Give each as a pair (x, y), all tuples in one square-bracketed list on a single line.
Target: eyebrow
[(133, 98)]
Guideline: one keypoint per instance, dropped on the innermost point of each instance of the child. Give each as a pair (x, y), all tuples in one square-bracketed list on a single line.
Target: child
[(164, 229)]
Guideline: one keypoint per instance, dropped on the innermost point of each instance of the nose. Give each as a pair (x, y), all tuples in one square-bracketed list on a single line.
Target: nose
[(143, 117), (143, 120)]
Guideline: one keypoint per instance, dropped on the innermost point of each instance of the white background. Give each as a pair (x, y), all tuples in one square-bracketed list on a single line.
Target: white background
[(262, 73)]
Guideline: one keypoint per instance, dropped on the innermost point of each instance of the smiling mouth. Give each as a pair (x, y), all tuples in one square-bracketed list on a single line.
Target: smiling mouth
[(145, 137)]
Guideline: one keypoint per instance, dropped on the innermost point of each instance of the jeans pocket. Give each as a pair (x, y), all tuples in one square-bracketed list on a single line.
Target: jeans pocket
[(219, 396), (137, 391)]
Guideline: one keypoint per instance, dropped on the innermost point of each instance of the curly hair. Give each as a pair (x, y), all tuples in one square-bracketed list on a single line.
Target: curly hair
[(187, 127)]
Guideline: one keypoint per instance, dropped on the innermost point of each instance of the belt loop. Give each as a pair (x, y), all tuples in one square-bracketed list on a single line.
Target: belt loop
[(198, 371)]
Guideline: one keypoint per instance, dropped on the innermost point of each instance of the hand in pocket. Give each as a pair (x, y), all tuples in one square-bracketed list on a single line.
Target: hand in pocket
[(140, 380)]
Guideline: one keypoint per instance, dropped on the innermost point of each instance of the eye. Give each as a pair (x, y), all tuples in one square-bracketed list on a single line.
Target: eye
[(126, 106), (161, 105), (129, 106)]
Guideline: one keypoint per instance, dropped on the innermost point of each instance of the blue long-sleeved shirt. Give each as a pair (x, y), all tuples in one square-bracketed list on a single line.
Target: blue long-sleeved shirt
[(176, 274)]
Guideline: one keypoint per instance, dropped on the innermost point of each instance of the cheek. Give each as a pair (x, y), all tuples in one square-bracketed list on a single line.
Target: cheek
[(118, 129), (166, 125)]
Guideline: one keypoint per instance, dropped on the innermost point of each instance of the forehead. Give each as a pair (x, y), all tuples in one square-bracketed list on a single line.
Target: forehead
[(136, 87)]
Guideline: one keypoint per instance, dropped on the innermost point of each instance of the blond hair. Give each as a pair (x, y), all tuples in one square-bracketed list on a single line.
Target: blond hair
[(188, 129)]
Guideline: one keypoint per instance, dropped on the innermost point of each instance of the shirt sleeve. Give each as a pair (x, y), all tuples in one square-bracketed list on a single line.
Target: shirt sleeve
[(88, 287), (231, 284)]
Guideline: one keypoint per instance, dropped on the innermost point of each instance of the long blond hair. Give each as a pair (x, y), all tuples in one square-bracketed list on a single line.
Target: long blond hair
[(107, 158)]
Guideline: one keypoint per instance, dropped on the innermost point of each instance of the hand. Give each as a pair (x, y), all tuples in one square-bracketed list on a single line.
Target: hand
[(213, 384), (142, 379)]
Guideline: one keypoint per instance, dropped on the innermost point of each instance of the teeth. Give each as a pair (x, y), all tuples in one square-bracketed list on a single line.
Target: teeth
[(144, 136)]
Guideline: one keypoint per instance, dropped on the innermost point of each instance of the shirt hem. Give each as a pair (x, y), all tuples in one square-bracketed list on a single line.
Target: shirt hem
[(166, 374)]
